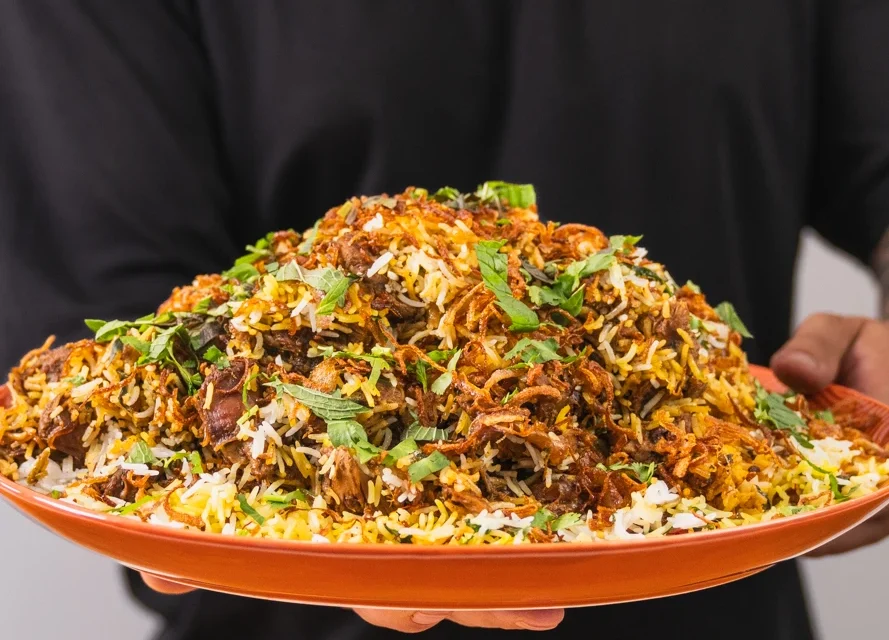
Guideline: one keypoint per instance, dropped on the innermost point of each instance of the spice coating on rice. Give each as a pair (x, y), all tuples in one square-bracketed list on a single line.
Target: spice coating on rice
[(432, 369)]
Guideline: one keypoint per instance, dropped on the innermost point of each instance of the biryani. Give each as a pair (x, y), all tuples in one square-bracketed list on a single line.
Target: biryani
[(430, 368)]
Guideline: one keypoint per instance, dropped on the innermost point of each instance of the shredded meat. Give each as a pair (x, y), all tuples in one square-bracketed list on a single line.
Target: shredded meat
[(52, 362), (121, 484), (220, 419), (62, 432), (346, 481)]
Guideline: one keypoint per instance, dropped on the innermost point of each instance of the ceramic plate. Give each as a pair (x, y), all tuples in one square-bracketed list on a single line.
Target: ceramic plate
[(450, 578)]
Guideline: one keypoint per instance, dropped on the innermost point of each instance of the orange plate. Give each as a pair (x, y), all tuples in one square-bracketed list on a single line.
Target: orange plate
[(453, 577)]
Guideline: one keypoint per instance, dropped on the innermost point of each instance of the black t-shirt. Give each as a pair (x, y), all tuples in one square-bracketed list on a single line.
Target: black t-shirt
[(142, 143)]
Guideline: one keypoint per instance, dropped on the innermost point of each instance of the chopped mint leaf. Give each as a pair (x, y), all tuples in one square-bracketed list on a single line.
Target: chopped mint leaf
[(140, 453), (726, 312), (619, 243), (493, 266), (534, 351), (443, 381), (428, 465)]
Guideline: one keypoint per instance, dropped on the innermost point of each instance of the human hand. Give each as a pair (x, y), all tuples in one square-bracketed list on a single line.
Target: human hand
[(850, 351), (415, 621)]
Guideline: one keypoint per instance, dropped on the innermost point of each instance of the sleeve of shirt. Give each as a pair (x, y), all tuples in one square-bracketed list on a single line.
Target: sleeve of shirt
[(111, 183), (850, 197)]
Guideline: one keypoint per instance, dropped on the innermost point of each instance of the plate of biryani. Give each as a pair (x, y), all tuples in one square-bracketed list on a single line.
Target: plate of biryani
[(436, 400)]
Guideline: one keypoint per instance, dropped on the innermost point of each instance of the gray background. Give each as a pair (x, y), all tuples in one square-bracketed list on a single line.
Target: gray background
[(56, 590)]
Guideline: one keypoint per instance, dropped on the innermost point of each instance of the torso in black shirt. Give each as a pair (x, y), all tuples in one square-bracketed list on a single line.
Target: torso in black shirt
[(143, 143)]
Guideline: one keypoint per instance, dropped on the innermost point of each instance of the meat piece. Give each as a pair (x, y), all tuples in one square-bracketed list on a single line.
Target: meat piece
[(346, 481), (120, 485), (354, 256), (383, 299), (679, 318), (220, 418), (238, 451), (390, 394), (284, 341), (62, 433), (471, 502), (52, 362), (561, 497)]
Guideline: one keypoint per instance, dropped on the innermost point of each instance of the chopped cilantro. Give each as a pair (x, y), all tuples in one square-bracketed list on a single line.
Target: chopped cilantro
[(826, 415), (542, 517), (217, 357), (566, 520)]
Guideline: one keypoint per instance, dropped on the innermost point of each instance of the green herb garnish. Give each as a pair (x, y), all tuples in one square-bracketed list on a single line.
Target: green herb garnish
[(542, 516), (566, 520), (619, 243), (726, 312), (287, 499), (647, 273), (521, 196), (428, 465), (127, 509), (193, 457), (418, 432), (324, 405), (566, 292), (643, 472), (402, 449), (241, 272), (349, 433), (215, 356), (305, 247), (141, 453), (443, 381), (493, 267), (420, 371), (771, 409), (534, 351), (250, 511), (826, 415)]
